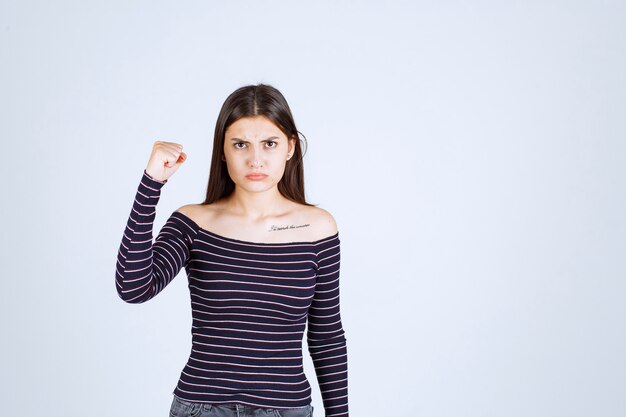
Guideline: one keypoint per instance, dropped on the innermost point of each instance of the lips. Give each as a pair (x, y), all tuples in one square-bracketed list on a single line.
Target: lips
[(256, 176)]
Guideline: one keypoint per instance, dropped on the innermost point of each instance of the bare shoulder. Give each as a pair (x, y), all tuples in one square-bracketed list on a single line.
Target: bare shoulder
[(199, 213), (325, 224), (189, 210), (297, 222)]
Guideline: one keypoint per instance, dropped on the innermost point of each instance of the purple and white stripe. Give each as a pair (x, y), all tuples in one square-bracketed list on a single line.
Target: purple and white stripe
[(250, 304)]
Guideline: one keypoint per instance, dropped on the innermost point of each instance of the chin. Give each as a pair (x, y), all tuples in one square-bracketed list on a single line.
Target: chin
[(256, 186)]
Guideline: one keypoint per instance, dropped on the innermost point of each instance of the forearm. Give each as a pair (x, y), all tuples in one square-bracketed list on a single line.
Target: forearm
[(136, 271)]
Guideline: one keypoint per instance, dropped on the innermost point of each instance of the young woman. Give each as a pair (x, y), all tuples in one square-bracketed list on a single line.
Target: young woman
[(261, 263)]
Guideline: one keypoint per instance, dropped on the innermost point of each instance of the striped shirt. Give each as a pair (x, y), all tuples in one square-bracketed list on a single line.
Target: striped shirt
[(250, 304)]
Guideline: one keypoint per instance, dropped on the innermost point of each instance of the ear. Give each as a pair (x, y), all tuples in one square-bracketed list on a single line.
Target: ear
[(292, 145)]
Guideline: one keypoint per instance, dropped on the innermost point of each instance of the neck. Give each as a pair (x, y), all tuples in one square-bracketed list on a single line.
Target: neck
[(256, 206)]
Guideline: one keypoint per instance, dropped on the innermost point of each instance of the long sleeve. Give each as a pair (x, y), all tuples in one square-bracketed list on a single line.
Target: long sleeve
[(325, 334), (144, 269)]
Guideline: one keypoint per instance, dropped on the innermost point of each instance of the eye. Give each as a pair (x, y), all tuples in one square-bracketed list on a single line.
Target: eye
[(271, 141), (238, 143)]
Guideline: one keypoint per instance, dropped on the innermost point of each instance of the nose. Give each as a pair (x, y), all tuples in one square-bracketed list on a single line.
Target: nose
[(256, 160)]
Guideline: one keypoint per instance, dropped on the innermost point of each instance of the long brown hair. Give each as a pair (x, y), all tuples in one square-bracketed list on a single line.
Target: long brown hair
[(256, 100)]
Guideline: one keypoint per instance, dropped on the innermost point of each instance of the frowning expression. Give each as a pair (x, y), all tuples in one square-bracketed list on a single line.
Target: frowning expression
[(256, 152)]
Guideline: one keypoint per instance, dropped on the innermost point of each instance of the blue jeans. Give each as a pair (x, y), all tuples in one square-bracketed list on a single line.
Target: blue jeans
[(182, 408)]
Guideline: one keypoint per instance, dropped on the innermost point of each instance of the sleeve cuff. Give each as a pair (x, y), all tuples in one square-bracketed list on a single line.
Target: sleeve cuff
[(152, 181)]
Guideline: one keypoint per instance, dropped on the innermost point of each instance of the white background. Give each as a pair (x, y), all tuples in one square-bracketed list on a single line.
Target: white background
[(472, 153)]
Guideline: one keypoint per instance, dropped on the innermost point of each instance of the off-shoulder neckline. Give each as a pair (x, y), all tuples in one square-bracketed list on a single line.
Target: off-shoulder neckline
[(247, 242)]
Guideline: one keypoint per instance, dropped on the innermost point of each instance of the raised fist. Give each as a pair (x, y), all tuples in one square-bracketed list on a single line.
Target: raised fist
[(165, 160)]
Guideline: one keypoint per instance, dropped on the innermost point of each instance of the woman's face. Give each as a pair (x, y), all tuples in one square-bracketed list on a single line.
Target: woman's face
[(256, 145)]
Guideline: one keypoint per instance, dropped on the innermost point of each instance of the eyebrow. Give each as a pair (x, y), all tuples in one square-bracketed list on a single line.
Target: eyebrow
[(265, 140)]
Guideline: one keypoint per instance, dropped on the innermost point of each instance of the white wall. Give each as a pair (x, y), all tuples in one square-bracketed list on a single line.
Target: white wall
[(472, 153)]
